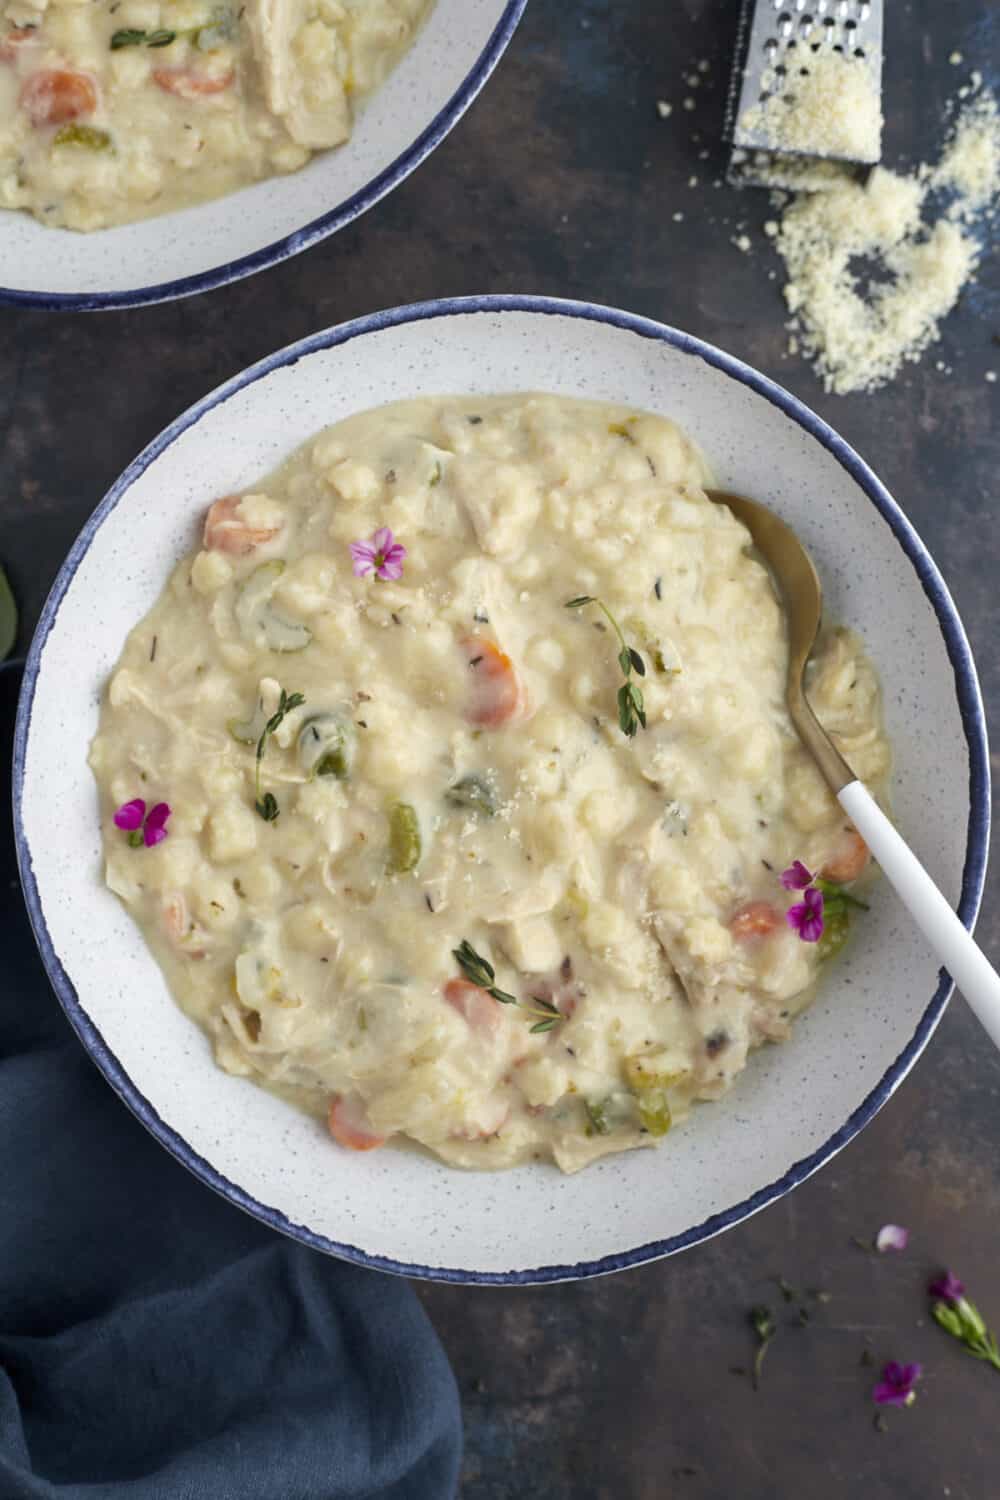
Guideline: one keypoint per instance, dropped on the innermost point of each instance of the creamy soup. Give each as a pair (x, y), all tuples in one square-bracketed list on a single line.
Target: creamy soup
[(482, 793), (112, 110)]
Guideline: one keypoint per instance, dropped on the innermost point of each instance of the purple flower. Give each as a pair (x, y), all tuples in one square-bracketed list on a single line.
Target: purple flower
[(382, 555), (896, 1388), (796, 877), (130, 815), (155, 830), (947, 1288), (892, 1237), (806, 916)]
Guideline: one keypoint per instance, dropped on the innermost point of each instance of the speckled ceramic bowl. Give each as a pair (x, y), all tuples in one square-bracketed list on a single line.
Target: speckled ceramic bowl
[(796, 1105), (198, 248)]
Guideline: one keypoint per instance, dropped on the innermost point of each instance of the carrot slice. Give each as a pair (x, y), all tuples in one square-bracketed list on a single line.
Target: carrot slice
[(54, 96), (226, 531), (14, 39), (758, 919), (496, 695), (349, 1125), (188, 85), (848, 860), (474, 1005)]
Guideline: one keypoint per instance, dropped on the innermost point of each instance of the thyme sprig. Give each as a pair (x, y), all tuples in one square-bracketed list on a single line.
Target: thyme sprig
[(480, 972), (631, 709), (220, 27), (267, 804)]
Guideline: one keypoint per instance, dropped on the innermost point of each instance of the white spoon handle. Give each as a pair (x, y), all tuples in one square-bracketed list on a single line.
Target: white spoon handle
[(972, 972)]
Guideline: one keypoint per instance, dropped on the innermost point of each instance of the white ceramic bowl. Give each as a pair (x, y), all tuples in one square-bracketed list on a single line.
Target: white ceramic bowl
[(797, 1104), (195, 249)]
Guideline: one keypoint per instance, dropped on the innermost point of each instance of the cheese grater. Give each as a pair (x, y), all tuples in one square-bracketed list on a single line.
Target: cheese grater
[(775, 41)]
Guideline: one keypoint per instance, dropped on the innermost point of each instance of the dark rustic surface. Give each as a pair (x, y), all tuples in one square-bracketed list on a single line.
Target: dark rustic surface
[(564, 180)]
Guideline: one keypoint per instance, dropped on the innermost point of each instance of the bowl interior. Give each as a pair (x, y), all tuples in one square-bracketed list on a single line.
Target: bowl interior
[(796, 1103), (196, 248)]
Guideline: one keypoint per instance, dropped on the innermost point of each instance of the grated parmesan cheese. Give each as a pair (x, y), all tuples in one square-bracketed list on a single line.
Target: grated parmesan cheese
[(828, 108), (859, 329)]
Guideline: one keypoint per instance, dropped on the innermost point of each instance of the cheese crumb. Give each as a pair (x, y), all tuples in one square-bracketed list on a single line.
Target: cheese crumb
[(956, 59), (991, 376), (689, 104), (742, 242), (663, 109)]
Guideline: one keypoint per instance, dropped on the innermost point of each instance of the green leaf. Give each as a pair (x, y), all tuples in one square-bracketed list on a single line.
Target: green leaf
[(625, 660), (160, 38), (833, 892), (626, 713), (637, 661), (542, 1026), (580, 602), (473, 965), (638, 704), (502, 996), (267, 807), (8, 617), (127, 38)]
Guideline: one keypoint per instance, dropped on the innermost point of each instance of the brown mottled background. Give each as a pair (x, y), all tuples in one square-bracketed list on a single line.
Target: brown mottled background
[(563, 179)]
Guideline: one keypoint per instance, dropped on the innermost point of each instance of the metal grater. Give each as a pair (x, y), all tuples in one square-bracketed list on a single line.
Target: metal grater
[(775, 40)]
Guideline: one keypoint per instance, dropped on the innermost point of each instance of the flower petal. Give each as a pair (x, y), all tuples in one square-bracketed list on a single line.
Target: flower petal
[(796, 877), (892, 1237), (130, 815), (155, 830), (806, 916), (382, 540), (363, 555), (390, 570), (947, 1287), (896, 1388)]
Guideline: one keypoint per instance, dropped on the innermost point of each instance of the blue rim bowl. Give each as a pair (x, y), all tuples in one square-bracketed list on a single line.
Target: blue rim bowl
[(970, 708), (318, 229)]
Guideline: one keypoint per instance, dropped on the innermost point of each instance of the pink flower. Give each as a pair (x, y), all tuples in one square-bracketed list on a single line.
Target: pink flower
[(132, 816), (796, 877), (947, 1288), (806, 916), (892, 1237), (896, 1388), (382, 555)]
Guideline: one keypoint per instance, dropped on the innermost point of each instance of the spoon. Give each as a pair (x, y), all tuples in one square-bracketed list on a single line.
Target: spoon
[(802, 594)]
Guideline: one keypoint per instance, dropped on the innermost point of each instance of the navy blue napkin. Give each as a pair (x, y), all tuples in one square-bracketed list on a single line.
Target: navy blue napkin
[(155, 1342)]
